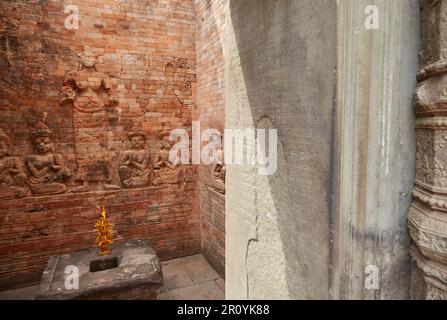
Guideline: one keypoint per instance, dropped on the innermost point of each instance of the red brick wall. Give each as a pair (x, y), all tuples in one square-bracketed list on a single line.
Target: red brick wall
[(210, 112), (134, 42)]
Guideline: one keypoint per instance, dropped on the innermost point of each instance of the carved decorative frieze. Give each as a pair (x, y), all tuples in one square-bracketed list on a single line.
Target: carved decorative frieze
[(427, 221)]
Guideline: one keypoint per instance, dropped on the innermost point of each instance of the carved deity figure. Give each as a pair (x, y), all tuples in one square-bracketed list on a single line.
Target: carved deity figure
[(218, 168), (218, 173), (12, 173), (134, 167), (178, 80), (162, 163), (47, 171), (88, 91)]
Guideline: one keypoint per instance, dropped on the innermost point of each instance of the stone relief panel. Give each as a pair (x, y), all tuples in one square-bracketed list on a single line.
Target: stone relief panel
[(430, 152), (427, 220), (218, 171), (91, 133), (426, 230), (47, 173), (13, 180), (165, 170), (179, 80), (135, 164), (9, 39), (88, 92)]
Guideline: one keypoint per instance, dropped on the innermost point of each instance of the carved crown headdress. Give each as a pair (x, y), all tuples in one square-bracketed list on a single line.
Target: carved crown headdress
[(88, 58), (165, 131), (137, 130), (40, 129)]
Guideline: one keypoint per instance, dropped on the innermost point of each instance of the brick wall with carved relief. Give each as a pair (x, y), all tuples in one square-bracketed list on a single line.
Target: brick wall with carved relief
[(210, 110), (84, 119)]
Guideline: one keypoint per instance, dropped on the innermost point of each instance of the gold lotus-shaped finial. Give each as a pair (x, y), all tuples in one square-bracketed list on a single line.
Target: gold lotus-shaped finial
[(104, 230)]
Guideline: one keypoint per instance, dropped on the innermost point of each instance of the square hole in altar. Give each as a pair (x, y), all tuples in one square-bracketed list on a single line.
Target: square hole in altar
[(104, 264)]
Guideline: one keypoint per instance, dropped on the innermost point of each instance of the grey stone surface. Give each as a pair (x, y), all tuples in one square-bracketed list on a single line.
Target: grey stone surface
[(281, 74), (139, 269), (26, 293), (199, 269), (207, 290), (178, 284), (191, 278), (175, 276), (340, 96), (376, 148), (221, 283)]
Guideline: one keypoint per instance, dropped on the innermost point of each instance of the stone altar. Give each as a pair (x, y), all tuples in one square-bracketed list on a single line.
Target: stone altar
[(131, 272)]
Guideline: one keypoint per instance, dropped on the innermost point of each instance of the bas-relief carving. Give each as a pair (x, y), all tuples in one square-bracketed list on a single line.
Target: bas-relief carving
[(427, 221), (12, 172), (218, 174), (9, 39), (88, 92), (164, 168), (179, 80), (218, 168), (426, 231), (47, 171), (134, 169), (430, 150)]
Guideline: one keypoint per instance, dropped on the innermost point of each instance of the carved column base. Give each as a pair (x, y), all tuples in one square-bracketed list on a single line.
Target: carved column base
[(428, 226), (434, 275)]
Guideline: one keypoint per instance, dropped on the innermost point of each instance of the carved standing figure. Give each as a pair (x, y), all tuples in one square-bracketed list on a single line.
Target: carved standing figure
[(47, 171), (12, 173), (134, 167), (88, 91)]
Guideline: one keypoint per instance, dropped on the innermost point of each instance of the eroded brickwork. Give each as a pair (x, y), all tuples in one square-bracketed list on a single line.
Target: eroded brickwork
[(84, 116), (211, 22)]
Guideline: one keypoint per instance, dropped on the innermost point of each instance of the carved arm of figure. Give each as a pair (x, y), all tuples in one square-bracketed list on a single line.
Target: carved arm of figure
[(68, 92), (11, 166), (170, 165), (4, 169), (63, 173), (36, 172), (19, 171), (125, 160), (108, 84), (140, 166), (158, 161)]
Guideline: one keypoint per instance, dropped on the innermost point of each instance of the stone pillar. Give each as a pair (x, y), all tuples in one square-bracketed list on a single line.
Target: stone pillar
[(427, 220), (340, 96), (375, 149)]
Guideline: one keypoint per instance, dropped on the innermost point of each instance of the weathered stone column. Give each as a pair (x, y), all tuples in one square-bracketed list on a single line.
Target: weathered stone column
[(428, 214)]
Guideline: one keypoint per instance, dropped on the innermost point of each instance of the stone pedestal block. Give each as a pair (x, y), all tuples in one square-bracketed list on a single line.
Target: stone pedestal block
[(131, 271)]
